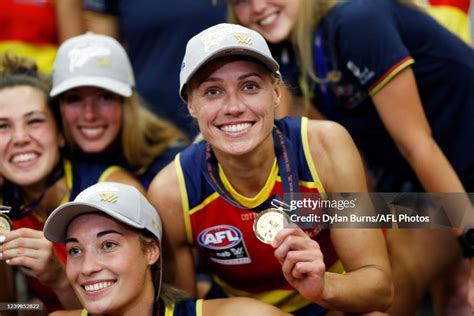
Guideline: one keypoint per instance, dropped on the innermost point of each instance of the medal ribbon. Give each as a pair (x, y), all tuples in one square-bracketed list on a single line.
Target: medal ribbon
[(286, 160)]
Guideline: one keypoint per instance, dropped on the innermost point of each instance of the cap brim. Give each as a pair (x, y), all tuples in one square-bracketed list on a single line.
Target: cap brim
[(56, 225), (231, 51), (115, 86)]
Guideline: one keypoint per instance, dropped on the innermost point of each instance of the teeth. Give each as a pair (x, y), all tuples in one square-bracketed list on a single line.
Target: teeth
[(92, 131), (24, 157), (98, 286), (236, 128), (268, 20)]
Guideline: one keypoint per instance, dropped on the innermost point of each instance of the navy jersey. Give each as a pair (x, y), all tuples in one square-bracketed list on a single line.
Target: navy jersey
[(188, 307), (240, 264), (158, 31), (358, 48)]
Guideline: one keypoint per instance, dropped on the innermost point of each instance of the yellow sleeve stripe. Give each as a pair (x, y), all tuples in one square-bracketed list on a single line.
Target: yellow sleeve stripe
[(199, 307), (392, 72), (184, 198), (307, 154), (103, 177), (169, 310)]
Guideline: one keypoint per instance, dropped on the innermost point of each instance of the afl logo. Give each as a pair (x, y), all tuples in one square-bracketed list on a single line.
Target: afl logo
[(220, 237)]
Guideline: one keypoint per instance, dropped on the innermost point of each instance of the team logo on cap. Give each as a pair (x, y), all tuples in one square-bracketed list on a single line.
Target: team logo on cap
[(241, 39), (80, 55), (215, 38), (108, 197)]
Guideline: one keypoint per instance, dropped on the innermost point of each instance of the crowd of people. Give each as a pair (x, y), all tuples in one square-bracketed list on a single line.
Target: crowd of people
[(116, 210)]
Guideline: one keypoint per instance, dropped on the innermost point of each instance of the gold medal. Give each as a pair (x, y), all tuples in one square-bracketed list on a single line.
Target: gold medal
[(268, 223), (5, 224)]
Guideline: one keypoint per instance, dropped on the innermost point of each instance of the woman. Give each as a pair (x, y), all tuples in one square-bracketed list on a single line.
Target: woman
[(113, 240), (247, 163), (103, 117), (38, 178), (146, 26), (401, 84)]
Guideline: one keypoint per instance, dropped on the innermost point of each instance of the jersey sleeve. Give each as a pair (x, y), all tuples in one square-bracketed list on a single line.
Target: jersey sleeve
[(369, 42), (101, 6)]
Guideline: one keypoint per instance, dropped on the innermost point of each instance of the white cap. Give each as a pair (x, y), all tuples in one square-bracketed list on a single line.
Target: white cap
[(223, 40), (120, 201), (92, 60)]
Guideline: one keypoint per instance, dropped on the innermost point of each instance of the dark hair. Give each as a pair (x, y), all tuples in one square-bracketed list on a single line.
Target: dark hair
[(22, 71), (167, 293)]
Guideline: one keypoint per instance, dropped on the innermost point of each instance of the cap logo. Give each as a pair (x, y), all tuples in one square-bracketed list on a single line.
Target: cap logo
[(215, 38), (154, 224), (107, 197), (80, 55), (245, 40)]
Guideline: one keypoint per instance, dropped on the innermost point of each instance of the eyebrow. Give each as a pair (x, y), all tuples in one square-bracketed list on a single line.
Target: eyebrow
[(25, 115), (214, 79), (98, 235)]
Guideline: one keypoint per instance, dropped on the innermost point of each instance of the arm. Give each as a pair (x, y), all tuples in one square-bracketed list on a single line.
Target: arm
[(102, 23), (29, 248), (121, 176), (367, 286), (165, 195), (7, 278), (399, 101), (239, 306), (69, 18)]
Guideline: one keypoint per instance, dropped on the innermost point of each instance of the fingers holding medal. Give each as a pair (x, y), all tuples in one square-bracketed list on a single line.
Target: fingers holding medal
[(268, 223), (6, 224)]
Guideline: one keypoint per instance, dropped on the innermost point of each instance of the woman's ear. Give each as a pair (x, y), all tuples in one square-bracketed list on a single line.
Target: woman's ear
[(153, 252), (191, 109), (277, 93)]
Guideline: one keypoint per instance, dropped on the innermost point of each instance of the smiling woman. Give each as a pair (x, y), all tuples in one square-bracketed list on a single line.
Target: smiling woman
[(104, 118), (38, 178), (113, 238), (249, 161)]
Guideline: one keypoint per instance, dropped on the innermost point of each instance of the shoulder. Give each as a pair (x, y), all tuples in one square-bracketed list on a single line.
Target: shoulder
[(164, 190), (118, 174), (327, 135), (359, 8), (350, 18), (336, 156), (239, 306)]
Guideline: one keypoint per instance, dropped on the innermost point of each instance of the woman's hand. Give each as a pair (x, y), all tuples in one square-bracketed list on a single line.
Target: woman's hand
[(29, 248), (302, 262)]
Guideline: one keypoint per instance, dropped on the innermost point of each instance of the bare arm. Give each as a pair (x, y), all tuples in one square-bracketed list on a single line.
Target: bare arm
[(367, 286), (102, 24), (69, 17), (7, 278), (401, 110), (165, 195), (239, 306)]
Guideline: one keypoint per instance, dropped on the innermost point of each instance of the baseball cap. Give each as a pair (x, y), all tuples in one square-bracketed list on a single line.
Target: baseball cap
[(92, 60), (220, 40), (120, 201)]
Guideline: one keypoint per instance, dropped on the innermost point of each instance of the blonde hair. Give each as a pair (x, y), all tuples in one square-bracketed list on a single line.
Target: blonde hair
[(144, 135), (310, 14)]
